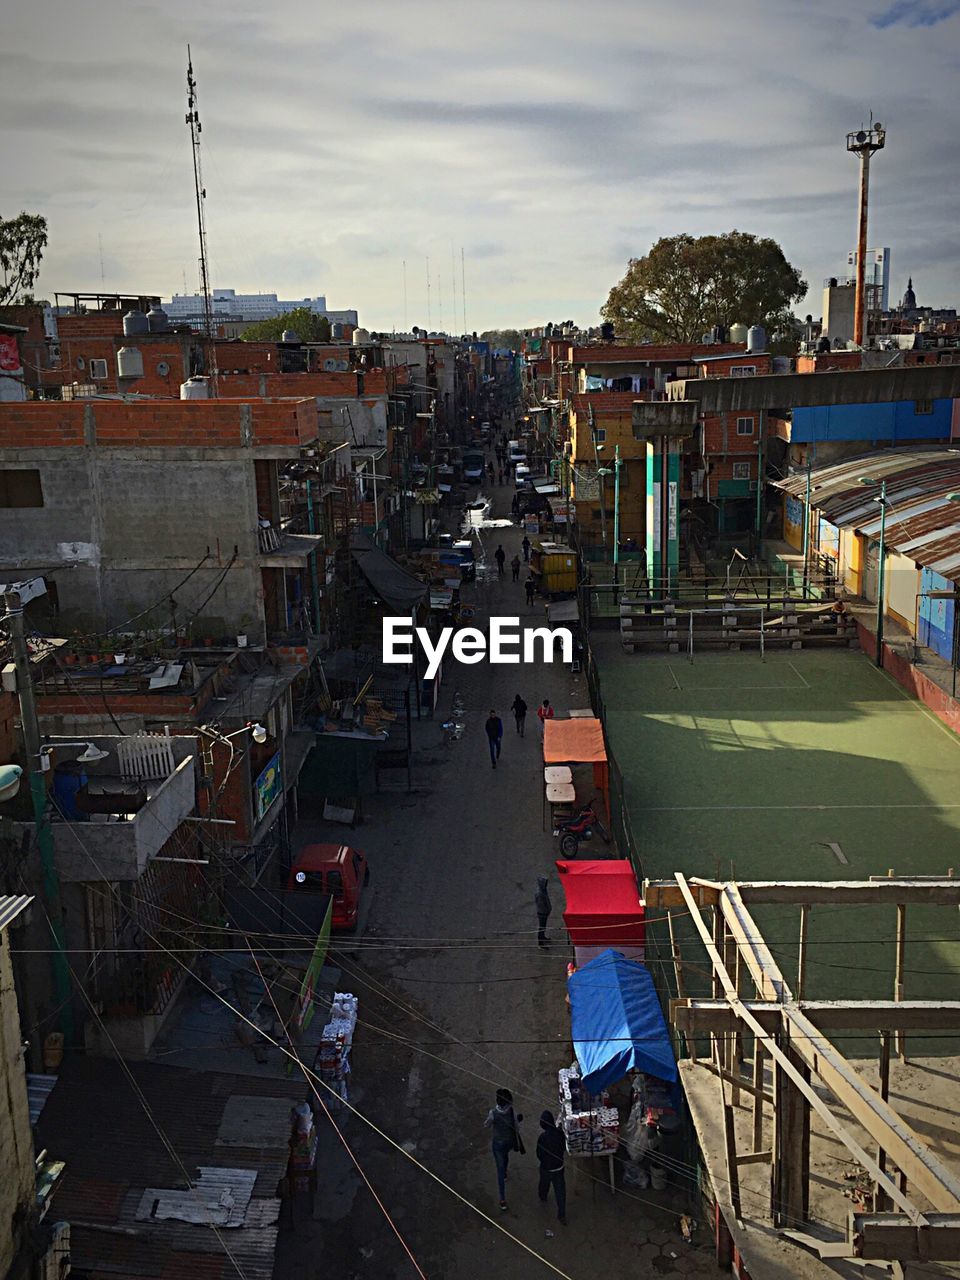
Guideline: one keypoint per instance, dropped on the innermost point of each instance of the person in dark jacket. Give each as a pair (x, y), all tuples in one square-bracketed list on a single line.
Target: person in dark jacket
[(519, 709), (494, 730), (500, 556), (542, 903), (506, 1138), (530, 587), (551, 1149), (525, 544), (515, 568)]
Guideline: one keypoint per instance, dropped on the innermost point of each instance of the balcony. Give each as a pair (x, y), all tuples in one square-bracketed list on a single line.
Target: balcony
[(282, 550), (110, 816)]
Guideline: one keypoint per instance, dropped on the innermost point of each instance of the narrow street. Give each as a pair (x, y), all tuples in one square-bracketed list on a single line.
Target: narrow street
[(463, 1001)]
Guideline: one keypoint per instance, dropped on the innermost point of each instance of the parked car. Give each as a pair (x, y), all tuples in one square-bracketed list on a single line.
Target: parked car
[(335, 869)]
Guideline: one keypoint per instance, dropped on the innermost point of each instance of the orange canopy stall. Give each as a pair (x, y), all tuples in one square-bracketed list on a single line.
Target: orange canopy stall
[(579, 741)]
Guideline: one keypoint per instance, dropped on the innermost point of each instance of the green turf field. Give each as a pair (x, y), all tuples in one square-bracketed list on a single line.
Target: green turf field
[(808, 765)]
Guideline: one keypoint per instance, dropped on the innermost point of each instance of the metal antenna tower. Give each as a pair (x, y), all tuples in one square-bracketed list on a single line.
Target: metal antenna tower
[(193, 121)]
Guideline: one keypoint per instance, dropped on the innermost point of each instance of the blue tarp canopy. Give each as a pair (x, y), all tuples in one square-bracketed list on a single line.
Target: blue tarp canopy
[(617, 1022)]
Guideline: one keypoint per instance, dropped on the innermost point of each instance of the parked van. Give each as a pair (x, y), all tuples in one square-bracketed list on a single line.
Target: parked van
[(337, 870)]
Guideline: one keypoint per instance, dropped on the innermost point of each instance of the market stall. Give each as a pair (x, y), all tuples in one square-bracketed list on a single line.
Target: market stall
[(604, 908), (579, 741), (622, 1047)]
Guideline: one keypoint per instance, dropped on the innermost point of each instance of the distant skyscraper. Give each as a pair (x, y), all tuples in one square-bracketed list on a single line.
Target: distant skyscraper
[(250, 306), (877, 277)]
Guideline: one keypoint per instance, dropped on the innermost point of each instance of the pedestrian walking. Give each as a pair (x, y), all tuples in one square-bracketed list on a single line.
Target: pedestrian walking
[(519, 709), (490, 471), (505, 1124), (544, 713), (494, 729), (525, 544), (500, 556), (515, 568), (500, 476), (541, 901), (551, 1150), (530, 587)]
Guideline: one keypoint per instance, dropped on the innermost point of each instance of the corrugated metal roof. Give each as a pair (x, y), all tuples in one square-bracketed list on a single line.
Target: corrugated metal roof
[(39, 1088), (11, 906), (921, 522)]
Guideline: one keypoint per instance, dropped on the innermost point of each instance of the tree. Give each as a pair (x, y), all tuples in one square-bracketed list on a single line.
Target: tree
[(684, 286), (22, 241), (502, 338), (306, 324)]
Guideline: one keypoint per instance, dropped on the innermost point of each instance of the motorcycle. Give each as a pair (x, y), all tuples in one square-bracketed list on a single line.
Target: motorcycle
[(579, 827)]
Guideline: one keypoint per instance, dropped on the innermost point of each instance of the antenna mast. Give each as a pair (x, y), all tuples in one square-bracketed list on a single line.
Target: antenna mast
[(193, 120)]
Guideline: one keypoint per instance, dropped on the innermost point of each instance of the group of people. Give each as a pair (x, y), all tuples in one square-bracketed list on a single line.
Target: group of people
[(530, 585), (551, 1151), (494, 725)]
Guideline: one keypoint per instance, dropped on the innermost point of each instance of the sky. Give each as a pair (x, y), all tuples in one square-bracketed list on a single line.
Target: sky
[(550, 140)]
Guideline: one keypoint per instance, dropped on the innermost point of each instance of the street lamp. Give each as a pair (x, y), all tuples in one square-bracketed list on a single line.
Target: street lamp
[(89, 755), (882, 499)]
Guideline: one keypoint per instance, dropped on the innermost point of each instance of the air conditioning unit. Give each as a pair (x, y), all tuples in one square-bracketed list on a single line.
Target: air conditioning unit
[(98, 370)]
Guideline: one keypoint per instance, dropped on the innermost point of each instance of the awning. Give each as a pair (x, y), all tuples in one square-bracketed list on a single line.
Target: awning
[(617, 1023), (603, 903), (389, 580), (577, 741)]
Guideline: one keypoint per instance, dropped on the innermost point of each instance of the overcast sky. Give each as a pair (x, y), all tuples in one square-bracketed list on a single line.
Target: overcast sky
[(551, 140)]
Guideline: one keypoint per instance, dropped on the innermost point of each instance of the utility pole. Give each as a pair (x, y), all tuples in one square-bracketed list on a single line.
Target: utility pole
[(41, 817), (863, 143)]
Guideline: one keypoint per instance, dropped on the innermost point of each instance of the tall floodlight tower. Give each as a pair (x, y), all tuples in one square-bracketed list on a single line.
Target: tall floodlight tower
[(863, 143), (193, 122)]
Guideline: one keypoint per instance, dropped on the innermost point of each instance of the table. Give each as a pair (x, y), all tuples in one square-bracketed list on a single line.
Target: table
[(559, 794), (597, 1155)]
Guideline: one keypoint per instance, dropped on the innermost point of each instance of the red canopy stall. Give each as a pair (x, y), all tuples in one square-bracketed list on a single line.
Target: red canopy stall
[(579, 741), (604, 908)]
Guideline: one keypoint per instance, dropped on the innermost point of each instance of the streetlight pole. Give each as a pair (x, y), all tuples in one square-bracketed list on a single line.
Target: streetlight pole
[(41, 817), (881, 565)]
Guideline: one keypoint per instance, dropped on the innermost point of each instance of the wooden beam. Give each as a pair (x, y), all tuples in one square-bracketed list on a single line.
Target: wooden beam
[(790, 1173), (758, 1094), (780, 1059), (879, 1199), (712, 1017), (890, 1236), (681, 982), (733, 1172), (755, 1157), (887, 890), (898, 973), (744, 1084), (802, 950)]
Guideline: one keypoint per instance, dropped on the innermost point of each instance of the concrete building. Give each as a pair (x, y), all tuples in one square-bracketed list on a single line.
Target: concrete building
[(250, 306), (839, 301), (159, 509)]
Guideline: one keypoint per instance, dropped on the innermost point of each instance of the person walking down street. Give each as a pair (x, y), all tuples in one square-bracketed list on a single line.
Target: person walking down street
[(541, 901), (490, 471), (530, 587), (544, 713), (525, 544), (519, 709), (551, 1149), (500, 476), (494, 730), (515, 568), (506, 1138), (500, 556)]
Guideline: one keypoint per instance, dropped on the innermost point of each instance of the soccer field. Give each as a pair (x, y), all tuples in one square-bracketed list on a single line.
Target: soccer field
[(805, 765)]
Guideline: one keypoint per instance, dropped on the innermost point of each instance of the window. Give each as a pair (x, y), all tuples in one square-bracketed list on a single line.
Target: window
[(98, 369), (741, 471), (744, 426), (921, 407), (742, 370), (599, 435), (20, 488), (335, 883)]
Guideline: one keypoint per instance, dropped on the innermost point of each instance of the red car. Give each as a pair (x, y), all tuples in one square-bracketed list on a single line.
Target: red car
[(338, 870)]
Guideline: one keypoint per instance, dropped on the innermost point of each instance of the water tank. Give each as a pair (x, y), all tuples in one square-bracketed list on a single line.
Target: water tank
[(289, 335), (738, 333), (756, 338), (158, 320), (336, 329), (129, 363), (135, 324), (68, 778), (360, 336), (195, 389)]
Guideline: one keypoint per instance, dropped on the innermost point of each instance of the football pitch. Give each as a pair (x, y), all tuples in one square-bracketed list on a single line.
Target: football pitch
[(807, 765)]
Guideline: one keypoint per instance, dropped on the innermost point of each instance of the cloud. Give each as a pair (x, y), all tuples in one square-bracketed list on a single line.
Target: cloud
[(916, 13)]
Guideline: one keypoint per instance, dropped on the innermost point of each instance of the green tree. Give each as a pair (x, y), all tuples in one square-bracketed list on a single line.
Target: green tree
[(22, 242), (502, 338), (685, 285), (308, 327)]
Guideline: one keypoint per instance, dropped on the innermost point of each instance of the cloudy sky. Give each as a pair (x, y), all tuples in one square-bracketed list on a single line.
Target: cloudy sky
[(552, 140)]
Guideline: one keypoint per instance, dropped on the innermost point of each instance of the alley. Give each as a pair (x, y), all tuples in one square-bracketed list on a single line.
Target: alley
[(464, 1001)]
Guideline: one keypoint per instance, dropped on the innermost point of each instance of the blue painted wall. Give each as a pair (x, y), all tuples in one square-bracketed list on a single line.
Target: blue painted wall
[(936, 616), (895, 422)]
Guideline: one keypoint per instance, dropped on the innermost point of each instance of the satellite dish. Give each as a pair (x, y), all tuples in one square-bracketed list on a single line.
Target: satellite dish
[(879, 127), (162, 368), (9, 781), (861, 136)]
